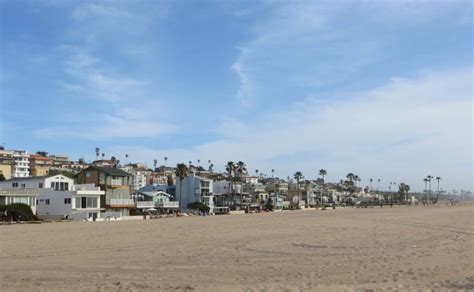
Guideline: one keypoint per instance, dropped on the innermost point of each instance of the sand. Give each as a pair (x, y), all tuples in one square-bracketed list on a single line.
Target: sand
[(400, 248)]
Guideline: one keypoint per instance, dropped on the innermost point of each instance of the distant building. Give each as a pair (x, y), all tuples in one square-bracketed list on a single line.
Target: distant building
[(7, 163), (39, 165), (60, 161), (21, 167)]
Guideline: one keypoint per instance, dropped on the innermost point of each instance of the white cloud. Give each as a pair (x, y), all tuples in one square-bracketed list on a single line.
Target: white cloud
[(398, 132)]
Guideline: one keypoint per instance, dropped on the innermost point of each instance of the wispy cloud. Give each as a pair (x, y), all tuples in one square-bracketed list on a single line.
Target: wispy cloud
[(395, 131)]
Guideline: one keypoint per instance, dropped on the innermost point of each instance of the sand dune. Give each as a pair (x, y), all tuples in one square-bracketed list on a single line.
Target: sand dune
[(400, 248)]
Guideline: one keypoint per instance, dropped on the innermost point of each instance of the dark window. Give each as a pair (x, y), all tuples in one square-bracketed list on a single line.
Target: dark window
[(40, 185), (14, 185), (67, 201), (23, 185), (47, 201), (66, 186), (52, 185)]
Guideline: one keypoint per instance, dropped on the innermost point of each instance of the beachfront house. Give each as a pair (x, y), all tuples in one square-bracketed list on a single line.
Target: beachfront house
[(194, 189), (116, 185), (156, 199), (81, 202), (26, 196)]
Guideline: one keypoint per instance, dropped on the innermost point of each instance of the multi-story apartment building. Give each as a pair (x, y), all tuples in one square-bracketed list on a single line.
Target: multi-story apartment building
[(6, 163), (21, 167), (39, 165), (194, 189), (116, 185), (60, 161)]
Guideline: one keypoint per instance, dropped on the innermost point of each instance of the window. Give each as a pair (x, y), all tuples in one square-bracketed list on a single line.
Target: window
[(14, 185), (47, 202), (91, 203), (61, 186), (40, 185), (23, 185), (67, 201), (66, 186), (52, 185)]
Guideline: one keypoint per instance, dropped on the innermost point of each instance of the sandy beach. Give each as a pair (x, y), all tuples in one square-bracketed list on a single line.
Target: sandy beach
[(400, 248)]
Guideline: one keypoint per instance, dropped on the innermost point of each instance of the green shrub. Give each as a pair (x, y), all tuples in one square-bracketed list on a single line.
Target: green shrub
[(198, 206), (17, 212)]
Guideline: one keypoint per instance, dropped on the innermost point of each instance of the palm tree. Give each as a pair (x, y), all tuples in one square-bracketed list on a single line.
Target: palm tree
[(103, 155), (322, 173), (199, 162), (126, 158), (403, 190), (298, 175), (438, 179), (378, 186), (97, 153), (181, 173), (429, 178), (256, 171), (273, 171), (241, 169), (231, 170), (155, 162), (166, 159), (371, 180)]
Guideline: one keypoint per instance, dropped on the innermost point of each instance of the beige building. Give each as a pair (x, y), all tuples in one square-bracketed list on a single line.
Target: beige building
[(39, 165), (6, 163)]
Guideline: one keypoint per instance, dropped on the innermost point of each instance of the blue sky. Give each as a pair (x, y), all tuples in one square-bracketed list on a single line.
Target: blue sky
[(379, 88)]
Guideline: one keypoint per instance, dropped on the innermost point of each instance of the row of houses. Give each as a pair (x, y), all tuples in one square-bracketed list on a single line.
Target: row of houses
[(105, 190)]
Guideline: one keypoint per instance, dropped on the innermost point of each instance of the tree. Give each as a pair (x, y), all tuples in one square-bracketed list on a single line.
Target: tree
[(42, 153), (97, 152), (181, 173), (103, 155), (231, 168), (256, 171), (241, 169), (155, 162), (322, 173), (2, 177), (269, 204), (273, 171), (403, 190), (199, 206), (81, 161), (438, 179), (166, 160), (298, 175)]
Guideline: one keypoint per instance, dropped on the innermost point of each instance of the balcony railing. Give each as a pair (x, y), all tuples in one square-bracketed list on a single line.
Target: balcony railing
[(145, 204), (171, 204), (116, 182), (124, 203)]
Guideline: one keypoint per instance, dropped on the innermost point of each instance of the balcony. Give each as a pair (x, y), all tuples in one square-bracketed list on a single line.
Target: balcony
[(121, 203), (145, 204), (116, 182), (171, 204)]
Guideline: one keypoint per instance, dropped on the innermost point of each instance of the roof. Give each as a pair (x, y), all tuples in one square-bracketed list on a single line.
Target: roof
[(110, 170), (35, 177)]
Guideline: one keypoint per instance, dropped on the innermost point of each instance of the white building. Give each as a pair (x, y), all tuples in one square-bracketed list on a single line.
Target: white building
[(21, 168), (58, 197), (194, 189), (25, 196), (82, 202)]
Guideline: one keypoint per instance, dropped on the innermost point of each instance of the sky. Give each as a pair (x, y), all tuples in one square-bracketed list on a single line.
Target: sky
[(382, 89)]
